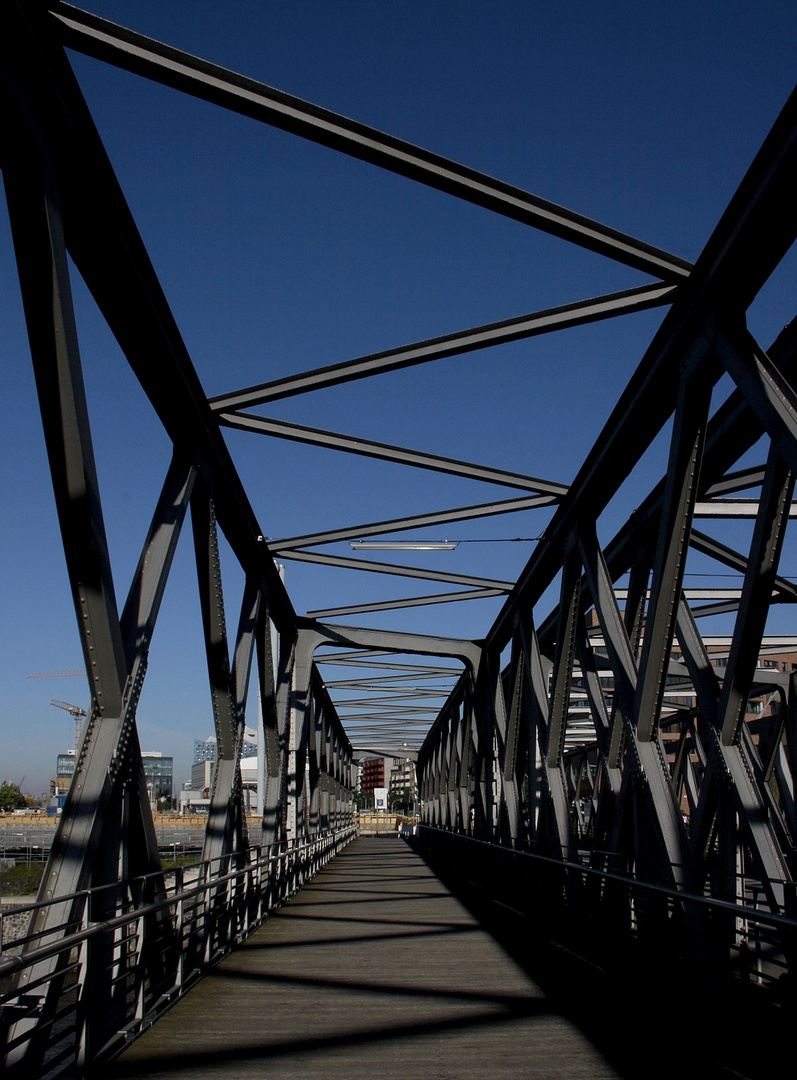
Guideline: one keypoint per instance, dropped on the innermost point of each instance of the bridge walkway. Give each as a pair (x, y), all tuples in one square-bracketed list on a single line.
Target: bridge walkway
[(373, 970)]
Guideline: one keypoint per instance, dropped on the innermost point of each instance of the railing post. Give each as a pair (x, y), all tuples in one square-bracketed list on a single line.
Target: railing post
[(179, 928), (81, 1010), (138, 953)]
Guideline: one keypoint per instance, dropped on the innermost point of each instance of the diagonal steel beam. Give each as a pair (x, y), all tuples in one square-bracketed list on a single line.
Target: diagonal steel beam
[(110, 746), (732, 762), (42, 100), (413, 671), (564, 657), (756, 595), (686, 450), (423, 352), (400, 571), (333, 440), (737, 481), (116, 648), (226, 827), (36, 223), (370, 684), (707, 545), (415, 601), (394, 700), (420, 521), (767, 391), (424, 644), (162, 63), (646, 759), (276, 670), (395, 711), (733, 430), (751, 238)]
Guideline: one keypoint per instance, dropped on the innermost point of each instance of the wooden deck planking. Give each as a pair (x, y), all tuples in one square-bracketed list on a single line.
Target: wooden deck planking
[(374, 970)]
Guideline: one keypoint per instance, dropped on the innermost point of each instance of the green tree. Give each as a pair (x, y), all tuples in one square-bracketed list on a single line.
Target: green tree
[(11, 798), (401, 800)]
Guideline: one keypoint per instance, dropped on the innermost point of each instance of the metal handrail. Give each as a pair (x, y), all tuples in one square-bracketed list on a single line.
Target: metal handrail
[(740, 910), (290, 867), (156, 875), (10, 965)]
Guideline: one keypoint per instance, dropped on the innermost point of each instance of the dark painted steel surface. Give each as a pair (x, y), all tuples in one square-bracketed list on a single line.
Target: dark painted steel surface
[(163, 63), (609, 732)]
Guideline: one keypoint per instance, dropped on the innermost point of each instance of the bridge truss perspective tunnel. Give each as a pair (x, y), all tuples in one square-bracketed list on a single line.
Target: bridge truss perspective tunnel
[(631, 768)]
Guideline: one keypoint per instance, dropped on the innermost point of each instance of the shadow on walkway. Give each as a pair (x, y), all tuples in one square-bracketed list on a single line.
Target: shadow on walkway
[(390, 964), (648, 1023)]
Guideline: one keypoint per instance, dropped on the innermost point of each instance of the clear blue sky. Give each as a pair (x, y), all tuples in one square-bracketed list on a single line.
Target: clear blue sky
[(278, 255)]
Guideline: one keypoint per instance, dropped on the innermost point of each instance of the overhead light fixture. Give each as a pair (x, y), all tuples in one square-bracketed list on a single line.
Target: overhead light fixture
[(401, 545)]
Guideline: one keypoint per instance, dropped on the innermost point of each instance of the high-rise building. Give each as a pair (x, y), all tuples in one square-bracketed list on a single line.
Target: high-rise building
[(64, 771), (371, 773), (202, 775), (159, 774), (205, 749), (403, 783)]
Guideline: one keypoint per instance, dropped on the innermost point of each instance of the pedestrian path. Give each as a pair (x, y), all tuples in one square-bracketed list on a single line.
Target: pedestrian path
[(374, 970)]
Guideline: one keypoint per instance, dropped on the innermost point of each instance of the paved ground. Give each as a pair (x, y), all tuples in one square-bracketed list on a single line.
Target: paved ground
[(373, 971)]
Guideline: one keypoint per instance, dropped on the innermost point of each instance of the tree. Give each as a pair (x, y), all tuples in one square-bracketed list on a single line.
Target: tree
[(11, 798), (401, 799)]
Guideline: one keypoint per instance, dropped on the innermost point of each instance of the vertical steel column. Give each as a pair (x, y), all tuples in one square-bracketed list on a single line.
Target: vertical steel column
[(762, 566), (276, 709), (561, 683), (465, 736), (647, 764), (115, 651), (484, 738), (226, 825), (46, 292), (452, 771), (686, 450), (755, 815), (301, 707), (551, 831), (458, 817)]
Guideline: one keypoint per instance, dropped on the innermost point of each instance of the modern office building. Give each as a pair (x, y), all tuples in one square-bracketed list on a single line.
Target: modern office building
[(202, 775), (159, 773), (64, 771), (205, 749)]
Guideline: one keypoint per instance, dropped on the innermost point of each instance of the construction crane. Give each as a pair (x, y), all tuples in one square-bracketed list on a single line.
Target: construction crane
[(78, 713), (73, 673)]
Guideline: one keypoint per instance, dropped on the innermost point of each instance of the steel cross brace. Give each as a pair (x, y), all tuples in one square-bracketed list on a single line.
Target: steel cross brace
[(163, 63)]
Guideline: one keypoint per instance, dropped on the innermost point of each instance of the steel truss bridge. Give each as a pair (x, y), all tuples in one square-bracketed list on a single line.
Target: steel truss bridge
[(606, 751)]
